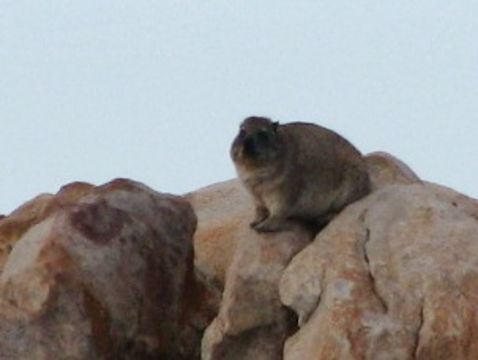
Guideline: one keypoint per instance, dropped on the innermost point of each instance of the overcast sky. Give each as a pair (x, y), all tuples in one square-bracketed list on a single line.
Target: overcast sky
[(154, 90)]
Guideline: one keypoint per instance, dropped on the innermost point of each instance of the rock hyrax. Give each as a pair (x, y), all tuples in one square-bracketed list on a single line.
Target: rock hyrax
[(297, 171)]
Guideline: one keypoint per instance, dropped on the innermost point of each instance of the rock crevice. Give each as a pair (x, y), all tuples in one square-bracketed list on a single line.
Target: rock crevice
[(373, 285), (421, 321)]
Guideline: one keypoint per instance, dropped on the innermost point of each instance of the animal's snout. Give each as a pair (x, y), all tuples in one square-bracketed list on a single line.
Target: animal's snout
[(250, 145)]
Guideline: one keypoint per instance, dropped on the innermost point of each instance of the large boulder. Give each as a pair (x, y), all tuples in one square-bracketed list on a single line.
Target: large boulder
[(252, 323), (101, 272), (12, 227), (385, 169), (224, 212), (394, 276), (111, 272)]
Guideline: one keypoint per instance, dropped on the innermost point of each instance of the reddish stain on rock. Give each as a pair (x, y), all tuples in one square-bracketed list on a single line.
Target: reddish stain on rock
[(98, 222), (100, 325)]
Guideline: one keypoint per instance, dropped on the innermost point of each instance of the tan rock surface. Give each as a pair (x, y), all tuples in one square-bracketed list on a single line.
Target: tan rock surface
[(251, 319), (385, 169), (224, 211), (18, 222), (108, 274), (394, 276), (249, 265)]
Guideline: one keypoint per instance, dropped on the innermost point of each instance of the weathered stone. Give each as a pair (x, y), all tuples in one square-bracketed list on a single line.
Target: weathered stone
[(18, 222), (385, 169), (224, 244), (394, 276), (223, 210), (251, 319), (260, 343), (105, 273), (251, 322)]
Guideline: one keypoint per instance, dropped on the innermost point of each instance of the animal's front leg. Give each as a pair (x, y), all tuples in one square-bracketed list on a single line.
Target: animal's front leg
[(276, 220), (273, 224), (261, 214)]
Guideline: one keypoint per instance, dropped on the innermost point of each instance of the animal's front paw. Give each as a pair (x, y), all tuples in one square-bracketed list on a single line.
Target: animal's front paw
[(261, 215), (270, 225), (254, 224)]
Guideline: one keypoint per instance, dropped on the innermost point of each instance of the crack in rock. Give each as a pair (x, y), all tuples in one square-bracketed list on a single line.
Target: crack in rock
[(416, 343), (370, 273)]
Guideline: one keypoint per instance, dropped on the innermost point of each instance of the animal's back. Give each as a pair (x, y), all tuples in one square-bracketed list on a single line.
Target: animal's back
[(312, 138), (330, 170)]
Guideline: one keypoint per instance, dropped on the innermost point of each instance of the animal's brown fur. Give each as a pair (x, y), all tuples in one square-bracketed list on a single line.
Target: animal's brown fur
[(297, 171)]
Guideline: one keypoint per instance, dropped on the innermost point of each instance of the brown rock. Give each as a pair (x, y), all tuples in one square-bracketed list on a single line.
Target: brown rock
[(394, 276), (260, 343), (385, 169), (252, 323), (224, 241), (224, 211), (460, 201), (19, 221), (251, 318), (101, 272)]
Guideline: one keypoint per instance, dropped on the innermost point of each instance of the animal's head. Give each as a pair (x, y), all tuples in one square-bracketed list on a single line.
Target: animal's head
[(257, 141)]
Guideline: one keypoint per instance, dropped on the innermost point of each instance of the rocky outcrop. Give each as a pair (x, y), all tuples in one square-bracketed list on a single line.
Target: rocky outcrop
[(385, 169), (391, 277), (17, 223), (252, 323), (108, 273), (224, 212), (101, 272)]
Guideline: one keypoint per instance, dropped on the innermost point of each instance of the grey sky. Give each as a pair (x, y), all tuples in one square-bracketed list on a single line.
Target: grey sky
[(154, 90)]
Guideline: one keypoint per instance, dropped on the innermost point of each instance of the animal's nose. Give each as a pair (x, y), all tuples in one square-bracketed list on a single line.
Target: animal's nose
[(250, 147)]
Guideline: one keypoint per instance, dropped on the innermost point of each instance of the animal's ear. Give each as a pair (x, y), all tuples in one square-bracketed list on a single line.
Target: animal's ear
[(275, 125)]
